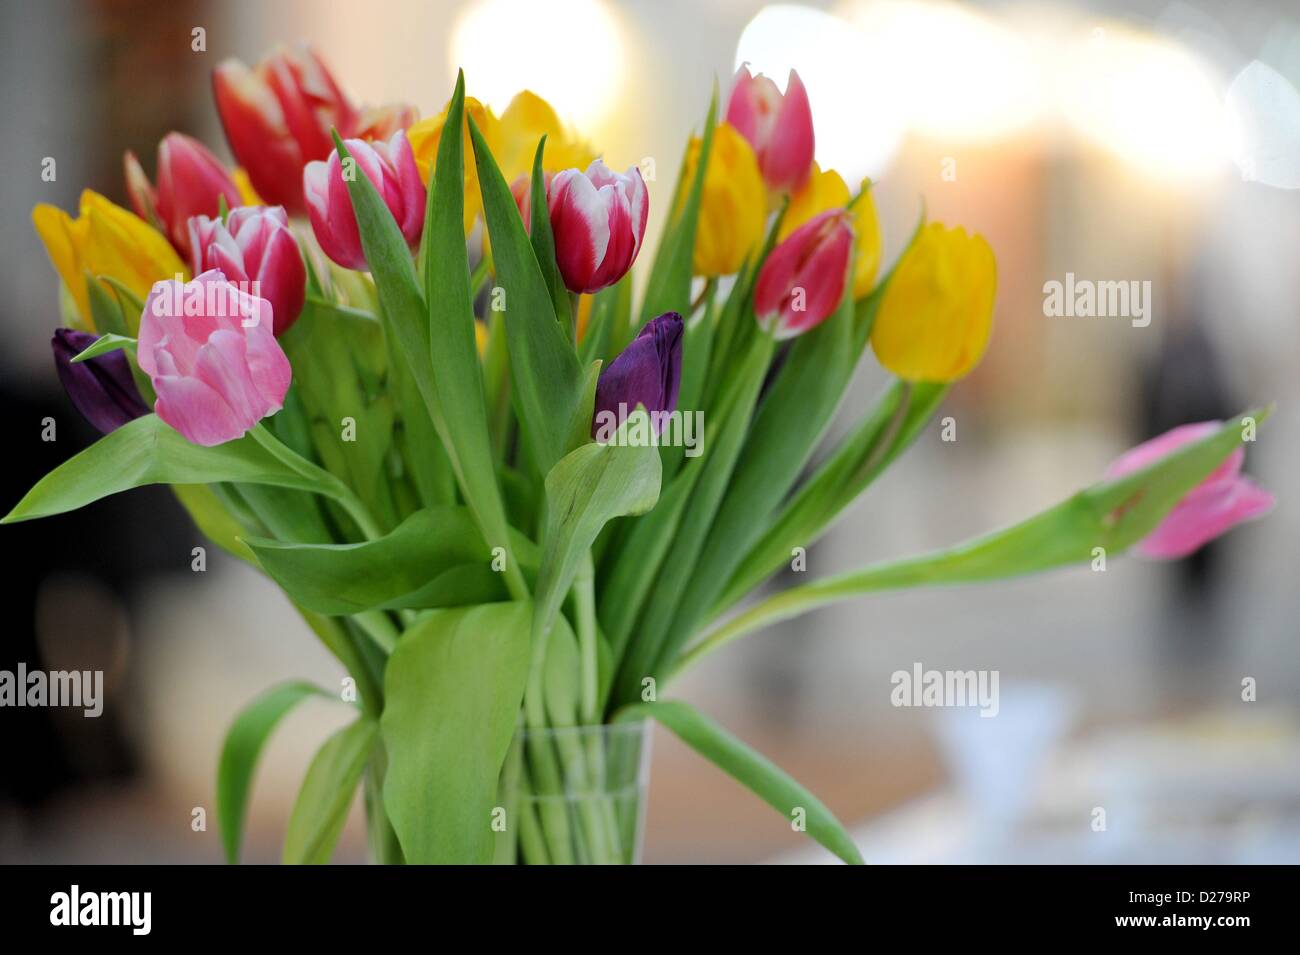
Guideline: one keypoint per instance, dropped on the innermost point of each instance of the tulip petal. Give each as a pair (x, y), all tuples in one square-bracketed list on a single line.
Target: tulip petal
[(1207, 512)]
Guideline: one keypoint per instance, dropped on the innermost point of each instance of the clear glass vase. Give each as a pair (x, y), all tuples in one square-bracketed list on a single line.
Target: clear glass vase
[(577, 795)]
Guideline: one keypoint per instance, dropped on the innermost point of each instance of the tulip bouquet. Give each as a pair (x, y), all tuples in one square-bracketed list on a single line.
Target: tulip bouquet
[(398, 366)]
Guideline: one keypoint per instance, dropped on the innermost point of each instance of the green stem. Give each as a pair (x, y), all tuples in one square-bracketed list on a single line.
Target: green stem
[(585, 595), (478, 278)]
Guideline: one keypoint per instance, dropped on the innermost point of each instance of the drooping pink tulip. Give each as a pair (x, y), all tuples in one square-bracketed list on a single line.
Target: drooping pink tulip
[(391, 167), (803, 279), (278, 116), (214, 362), (191, 182), (254, 245), (598, 218), (1223, 500), (777, 125)]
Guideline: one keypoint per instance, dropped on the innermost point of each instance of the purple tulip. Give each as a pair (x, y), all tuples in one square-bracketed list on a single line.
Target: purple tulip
[(102, 388), (648, 372)]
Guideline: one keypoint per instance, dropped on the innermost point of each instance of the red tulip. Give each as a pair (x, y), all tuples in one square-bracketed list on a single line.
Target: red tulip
[(391, 167), (255, 245), (191, 182), (598, 218), (803, 279), (278, 118), (778, 125)]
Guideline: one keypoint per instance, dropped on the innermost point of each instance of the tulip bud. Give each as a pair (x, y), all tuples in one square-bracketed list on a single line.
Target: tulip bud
[(827, 190), (209, 350), (778, 126), (936, 313), (191, 182), (255, 245), (803, 279), (1216, 505), (278, 117), (391, 168), (598, 218), (648, 372), (101, 388)]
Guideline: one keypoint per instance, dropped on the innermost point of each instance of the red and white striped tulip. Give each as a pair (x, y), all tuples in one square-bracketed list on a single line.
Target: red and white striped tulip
[(777, 125), (803, 280), (391, 168), (255, 245), (191, 182), (598, 218)]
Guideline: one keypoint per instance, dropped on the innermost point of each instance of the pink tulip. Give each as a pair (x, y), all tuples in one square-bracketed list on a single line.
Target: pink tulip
[(278, 116), (391, 167), (598, 219), (803, 279), (209, 350), (191, 182), (254, 245), (1223, 500), (778, 126)]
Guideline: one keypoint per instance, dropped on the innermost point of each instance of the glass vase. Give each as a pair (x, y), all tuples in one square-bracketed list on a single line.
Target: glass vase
[(576, 795)]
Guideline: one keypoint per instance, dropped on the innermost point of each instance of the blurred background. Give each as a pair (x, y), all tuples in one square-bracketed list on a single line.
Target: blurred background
[(1147, 141)]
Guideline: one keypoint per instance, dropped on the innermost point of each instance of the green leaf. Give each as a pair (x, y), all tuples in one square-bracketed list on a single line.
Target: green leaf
[(339, 363), (1113, 515), (105, 344), (544, 243), (402, 569), (322, 805), (655, 643), (450, 404), (751, 769), (586, 489), (898, 417), (148, 451), (244, 742), (453, 688), (106, 312), (544, 371), (795, 412), (669, 288)]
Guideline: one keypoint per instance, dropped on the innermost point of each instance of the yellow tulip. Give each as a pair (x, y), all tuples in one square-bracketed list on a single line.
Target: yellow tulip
[(105, 239), (734, 204), (937, 310), (827, 190), (425, 136)]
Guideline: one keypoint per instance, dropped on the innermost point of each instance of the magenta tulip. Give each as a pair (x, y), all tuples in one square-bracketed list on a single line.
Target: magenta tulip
[(803, 279), (598, 219), (1222, 501), (391, 168), (777, 125), (191, 182), (255, 245), (209, 350)]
